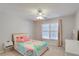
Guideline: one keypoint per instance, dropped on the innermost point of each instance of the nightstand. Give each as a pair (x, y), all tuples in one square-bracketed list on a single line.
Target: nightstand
[(7, 46)]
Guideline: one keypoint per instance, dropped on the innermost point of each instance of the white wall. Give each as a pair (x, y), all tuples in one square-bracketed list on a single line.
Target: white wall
[(68, 26), (77, 24), (11, 22), (77, 20)]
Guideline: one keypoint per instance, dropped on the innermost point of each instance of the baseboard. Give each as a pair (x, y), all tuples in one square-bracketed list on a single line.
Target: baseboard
[(70, 54)]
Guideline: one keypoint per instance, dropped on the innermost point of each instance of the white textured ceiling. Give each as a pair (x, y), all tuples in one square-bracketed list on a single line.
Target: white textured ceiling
[(51, 10)]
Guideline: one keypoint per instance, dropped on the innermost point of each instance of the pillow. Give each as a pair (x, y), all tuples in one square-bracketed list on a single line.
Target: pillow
[(22, 39), (17, 37), (26, 37)]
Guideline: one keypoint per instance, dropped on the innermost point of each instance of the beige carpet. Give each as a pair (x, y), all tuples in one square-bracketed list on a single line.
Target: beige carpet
[(53, 51)]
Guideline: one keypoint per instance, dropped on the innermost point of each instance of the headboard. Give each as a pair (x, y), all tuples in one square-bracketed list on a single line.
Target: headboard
[(17, 34)]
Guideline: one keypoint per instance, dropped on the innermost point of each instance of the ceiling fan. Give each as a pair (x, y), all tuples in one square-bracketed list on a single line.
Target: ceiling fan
[(40, 15)]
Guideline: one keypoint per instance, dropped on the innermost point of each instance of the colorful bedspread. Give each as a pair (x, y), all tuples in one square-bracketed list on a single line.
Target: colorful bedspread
[(31, 47)]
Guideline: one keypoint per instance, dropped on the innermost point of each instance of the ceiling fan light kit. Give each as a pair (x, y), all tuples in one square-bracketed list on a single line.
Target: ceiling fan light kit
[(39, 17)]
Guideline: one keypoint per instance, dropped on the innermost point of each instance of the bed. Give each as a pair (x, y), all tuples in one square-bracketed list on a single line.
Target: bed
[(30, 47)]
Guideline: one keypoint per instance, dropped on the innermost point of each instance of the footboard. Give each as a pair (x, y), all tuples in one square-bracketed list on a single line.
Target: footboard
[(43, 50)]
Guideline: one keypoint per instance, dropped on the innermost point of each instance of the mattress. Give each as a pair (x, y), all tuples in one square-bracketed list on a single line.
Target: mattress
[(31, 48)]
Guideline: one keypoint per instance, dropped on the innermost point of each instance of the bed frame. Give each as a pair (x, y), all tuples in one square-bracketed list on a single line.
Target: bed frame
[(18, 34)]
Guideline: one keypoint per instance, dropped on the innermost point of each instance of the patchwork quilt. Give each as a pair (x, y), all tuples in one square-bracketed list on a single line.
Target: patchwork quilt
[(31, 48)]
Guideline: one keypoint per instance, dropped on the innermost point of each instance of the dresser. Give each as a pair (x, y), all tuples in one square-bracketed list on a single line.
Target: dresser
[(71, 47)]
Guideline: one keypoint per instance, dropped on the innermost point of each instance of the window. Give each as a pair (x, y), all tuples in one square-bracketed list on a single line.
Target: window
[(45, 35), (54, 31), (50, 31), (45, 31)]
